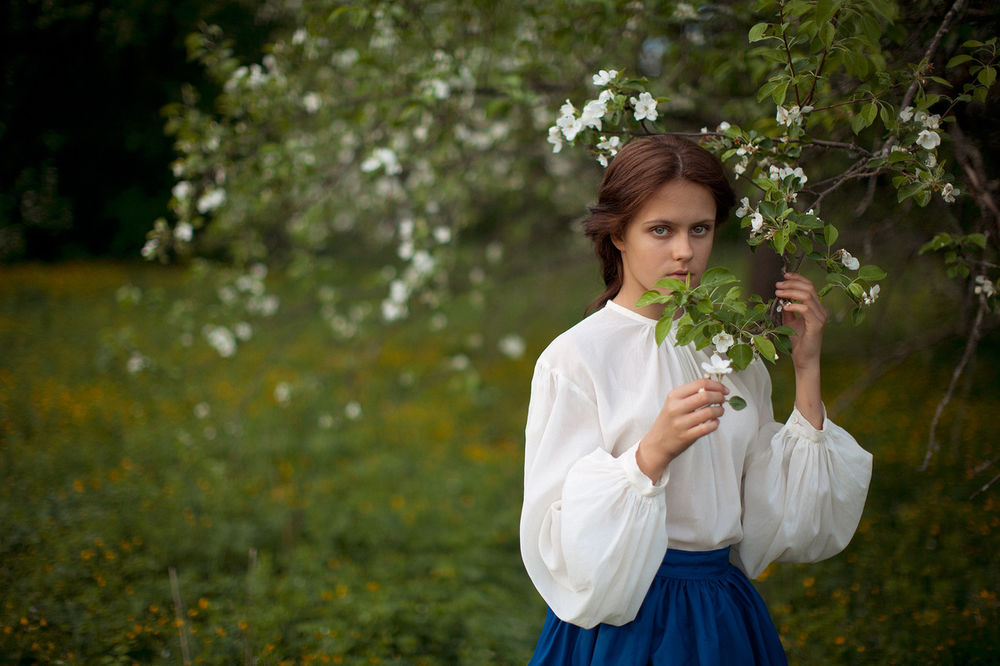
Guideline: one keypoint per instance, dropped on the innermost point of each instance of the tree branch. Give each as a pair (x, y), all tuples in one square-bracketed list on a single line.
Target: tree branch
[(949, 18), (970, 349)]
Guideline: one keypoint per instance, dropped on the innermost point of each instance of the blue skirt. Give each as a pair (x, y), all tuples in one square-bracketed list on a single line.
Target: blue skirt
[(699, 610)]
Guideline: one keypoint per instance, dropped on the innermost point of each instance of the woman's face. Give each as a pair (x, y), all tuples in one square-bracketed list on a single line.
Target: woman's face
[(670, 236)]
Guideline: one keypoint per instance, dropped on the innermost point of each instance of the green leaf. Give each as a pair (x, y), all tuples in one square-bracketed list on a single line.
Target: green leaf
[(741, 355), (765, 347), (871, 273), (737, 403), (717, 275), (670, 283), (869, 111), (858, 315), (908, 191), (978, 240), (650, 297), (830, 234), (958, 60), (780, 241), (987, 76), (663, 328), (757, 32)]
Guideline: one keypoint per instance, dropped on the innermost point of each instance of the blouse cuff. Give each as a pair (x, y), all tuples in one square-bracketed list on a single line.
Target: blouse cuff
[(801, 427), (638, 480)]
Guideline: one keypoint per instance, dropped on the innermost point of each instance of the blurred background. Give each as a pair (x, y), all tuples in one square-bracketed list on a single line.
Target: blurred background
[(273, 276)]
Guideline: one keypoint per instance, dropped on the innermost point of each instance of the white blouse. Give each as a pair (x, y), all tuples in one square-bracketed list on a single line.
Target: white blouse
[(594, 528)]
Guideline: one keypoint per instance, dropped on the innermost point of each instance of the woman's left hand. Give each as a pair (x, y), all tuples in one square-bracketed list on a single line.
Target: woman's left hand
[(806, 315)]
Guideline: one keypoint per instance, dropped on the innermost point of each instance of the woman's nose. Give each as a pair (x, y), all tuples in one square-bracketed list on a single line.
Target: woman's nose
[(682, 248)]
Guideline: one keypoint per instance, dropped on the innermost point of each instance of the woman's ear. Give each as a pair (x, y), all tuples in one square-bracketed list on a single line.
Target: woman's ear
[(617, 240)]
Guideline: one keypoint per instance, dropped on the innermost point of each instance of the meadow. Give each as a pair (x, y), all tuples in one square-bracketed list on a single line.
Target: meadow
[(312, 500)]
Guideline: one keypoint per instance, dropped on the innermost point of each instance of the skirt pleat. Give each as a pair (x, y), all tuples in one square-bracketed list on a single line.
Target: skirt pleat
[(699, 610)]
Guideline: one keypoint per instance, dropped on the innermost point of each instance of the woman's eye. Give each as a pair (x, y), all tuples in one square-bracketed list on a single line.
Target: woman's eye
[(700, 230), (660, 231)]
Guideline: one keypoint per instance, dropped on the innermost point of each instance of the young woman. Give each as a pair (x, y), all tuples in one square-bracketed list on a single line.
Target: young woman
[(647, 504)]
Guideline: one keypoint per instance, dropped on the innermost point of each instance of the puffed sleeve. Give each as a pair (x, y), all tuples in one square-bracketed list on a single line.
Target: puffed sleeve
[(593, 526), (803, 489)]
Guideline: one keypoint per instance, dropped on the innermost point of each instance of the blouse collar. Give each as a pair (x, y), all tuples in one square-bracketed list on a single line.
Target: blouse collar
[(631, 314)]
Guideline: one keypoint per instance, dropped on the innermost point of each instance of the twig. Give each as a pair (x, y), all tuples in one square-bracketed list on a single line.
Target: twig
[(931, 48), (985, 487), (175, 589), (788, 51), (839, 144), (911, 92), (248, 657), (970, 348)]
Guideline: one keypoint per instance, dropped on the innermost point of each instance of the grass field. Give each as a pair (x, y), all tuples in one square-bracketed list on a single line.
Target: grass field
[(356, 502)]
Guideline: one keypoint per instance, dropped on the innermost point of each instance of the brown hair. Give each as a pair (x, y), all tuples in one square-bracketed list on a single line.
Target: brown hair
[(637, 171)]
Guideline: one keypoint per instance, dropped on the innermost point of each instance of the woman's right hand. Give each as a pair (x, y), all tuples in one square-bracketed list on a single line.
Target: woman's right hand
[(690, 411)]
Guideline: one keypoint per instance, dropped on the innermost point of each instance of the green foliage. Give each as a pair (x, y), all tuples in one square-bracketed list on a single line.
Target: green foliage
[(303, 531), (807, 47)]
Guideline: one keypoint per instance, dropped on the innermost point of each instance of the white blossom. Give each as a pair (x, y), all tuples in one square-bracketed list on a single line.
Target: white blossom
[(610, 144), (756, 222), (556, 138), (792, 115), (593, 111), (211, 200), (928, 139), (352, 410), (136, 363), (311, 102), (438, 88), (605, 96), (149, 249), (717, 365), (282, 393), (684, 11), (985, 286), (723, 126), (906, 114), (184, 232), (927, 120), (511, 346), (849, 261), (442, 234), (299, 36), (382, 158), (744, 208), (494, 252), (571, 126), (949, 192), (871, 295), (423, 262), (605, 76), (243, 330), (739, 169), (723, 341), (221, 338), (645, 106), (182, 190)]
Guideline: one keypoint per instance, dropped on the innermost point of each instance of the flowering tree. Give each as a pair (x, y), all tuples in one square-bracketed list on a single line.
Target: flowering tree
[(399, 131)]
